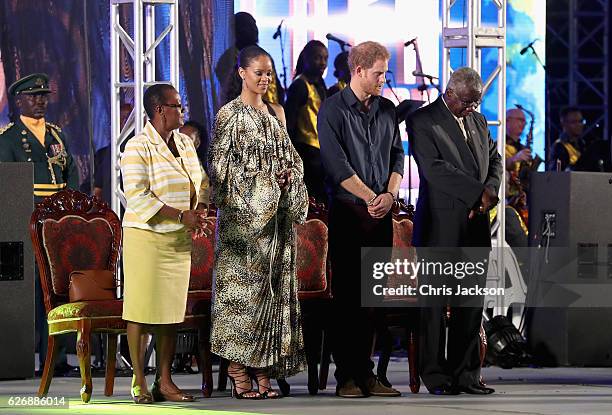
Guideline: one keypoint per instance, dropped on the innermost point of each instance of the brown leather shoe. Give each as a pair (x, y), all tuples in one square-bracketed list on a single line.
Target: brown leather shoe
[(376, 388), (350, 390)]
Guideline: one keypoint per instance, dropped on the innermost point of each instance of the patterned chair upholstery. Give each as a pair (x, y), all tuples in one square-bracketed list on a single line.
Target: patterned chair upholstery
[(313, 269), (197, 313), (314, 282), (72, 231)]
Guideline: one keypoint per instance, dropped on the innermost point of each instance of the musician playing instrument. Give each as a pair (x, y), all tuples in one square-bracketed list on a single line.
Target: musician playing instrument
[(567, 149), (515, 151)]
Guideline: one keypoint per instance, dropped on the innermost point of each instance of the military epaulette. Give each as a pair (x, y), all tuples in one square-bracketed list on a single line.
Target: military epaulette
[(6, 127), (55, 127)]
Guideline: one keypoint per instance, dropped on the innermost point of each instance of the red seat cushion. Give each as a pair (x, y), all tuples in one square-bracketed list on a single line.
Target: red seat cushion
[(73, 243), (312, 255)]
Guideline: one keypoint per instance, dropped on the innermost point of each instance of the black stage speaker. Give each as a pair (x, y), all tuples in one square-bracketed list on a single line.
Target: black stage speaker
[(16, 272), (570, 290)]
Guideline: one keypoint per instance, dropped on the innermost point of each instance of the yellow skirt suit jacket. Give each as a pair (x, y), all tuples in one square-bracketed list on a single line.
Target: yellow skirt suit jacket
[(157, 250)]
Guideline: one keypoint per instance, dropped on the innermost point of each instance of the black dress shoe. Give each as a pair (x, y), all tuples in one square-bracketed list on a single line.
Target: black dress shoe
[(476, 390), (444, 390)]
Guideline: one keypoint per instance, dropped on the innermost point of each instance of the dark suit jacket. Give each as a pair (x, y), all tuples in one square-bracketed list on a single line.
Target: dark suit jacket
[(451, 177)]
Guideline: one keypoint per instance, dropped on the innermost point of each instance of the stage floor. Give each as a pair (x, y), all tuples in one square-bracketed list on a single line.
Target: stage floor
[(518, 391)]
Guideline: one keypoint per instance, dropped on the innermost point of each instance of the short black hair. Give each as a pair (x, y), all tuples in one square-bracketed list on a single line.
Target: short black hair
[(306, 54), (567, 110), (154, 96)]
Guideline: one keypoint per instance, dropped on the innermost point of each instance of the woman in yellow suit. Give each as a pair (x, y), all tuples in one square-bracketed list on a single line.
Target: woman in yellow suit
[(165, 191)]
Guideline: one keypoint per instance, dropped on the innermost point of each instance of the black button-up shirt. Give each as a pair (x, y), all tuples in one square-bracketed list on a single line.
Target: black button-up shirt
[(367, 144)]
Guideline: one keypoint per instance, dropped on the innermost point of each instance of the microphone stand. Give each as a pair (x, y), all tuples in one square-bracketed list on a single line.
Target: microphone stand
[(282, 47), (547, 105), (388, 82)]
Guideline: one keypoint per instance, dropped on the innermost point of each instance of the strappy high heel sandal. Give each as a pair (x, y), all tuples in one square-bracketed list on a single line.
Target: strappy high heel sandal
[(264, 386), (240, 380)]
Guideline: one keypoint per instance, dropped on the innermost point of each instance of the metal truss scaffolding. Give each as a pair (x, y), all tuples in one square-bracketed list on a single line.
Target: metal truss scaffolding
[(141, 48), (473, 37), (578, 64)]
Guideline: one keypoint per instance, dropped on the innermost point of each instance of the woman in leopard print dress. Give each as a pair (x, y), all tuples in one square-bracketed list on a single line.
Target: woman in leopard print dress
[(258, 187)]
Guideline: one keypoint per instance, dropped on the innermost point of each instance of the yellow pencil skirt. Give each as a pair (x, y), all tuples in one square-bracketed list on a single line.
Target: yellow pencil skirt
[(156, 268)]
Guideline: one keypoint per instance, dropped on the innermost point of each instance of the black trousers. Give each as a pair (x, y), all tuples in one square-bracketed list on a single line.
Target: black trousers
[(461, 366), (314, 176), (350, 228), (453, 358)]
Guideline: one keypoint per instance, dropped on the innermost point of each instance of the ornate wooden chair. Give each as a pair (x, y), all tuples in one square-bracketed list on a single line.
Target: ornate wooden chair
[(72, 231), (197, 315), (314, 278)]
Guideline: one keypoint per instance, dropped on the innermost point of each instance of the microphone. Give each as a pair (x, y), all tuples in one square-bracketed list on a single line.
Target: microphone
[(424, 75), (410, 42), (341, 42), (278, 30), (526, 48)]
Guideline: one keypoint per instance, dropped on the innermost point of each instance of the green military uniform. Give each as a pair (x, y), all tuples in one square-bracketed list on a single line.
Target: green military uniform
[(54, 170), (54, 167)]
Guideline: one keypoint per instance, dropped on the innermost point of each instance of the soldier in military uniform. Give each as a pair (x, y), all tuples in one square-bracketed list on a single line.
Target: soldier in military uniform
[(29, 138)]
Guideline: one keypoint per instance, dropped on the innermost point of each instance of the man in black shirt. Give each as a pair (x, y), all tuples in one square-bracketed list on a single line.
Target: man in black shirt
[(363, 159)]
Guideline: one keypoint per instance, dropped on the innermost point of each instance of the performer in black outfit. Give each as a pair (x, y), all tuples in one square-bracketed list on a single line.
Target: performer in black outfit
[(304, 98)]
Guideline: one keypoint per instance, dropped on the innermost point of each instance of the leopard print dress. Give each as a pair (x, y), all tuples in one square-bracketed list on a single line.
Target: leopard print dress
[(256, 314)]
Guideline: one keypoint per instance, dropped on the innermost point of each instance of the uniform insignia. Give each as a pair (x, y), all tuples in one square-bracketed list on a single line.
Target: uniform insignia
[(55, 149), (39, 82), (55, 127), (6, 127)]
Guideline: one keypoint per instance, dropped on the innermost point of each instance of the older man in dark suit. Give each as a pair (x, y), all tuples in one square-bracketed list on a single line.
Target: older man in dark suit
[(460, 172)]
